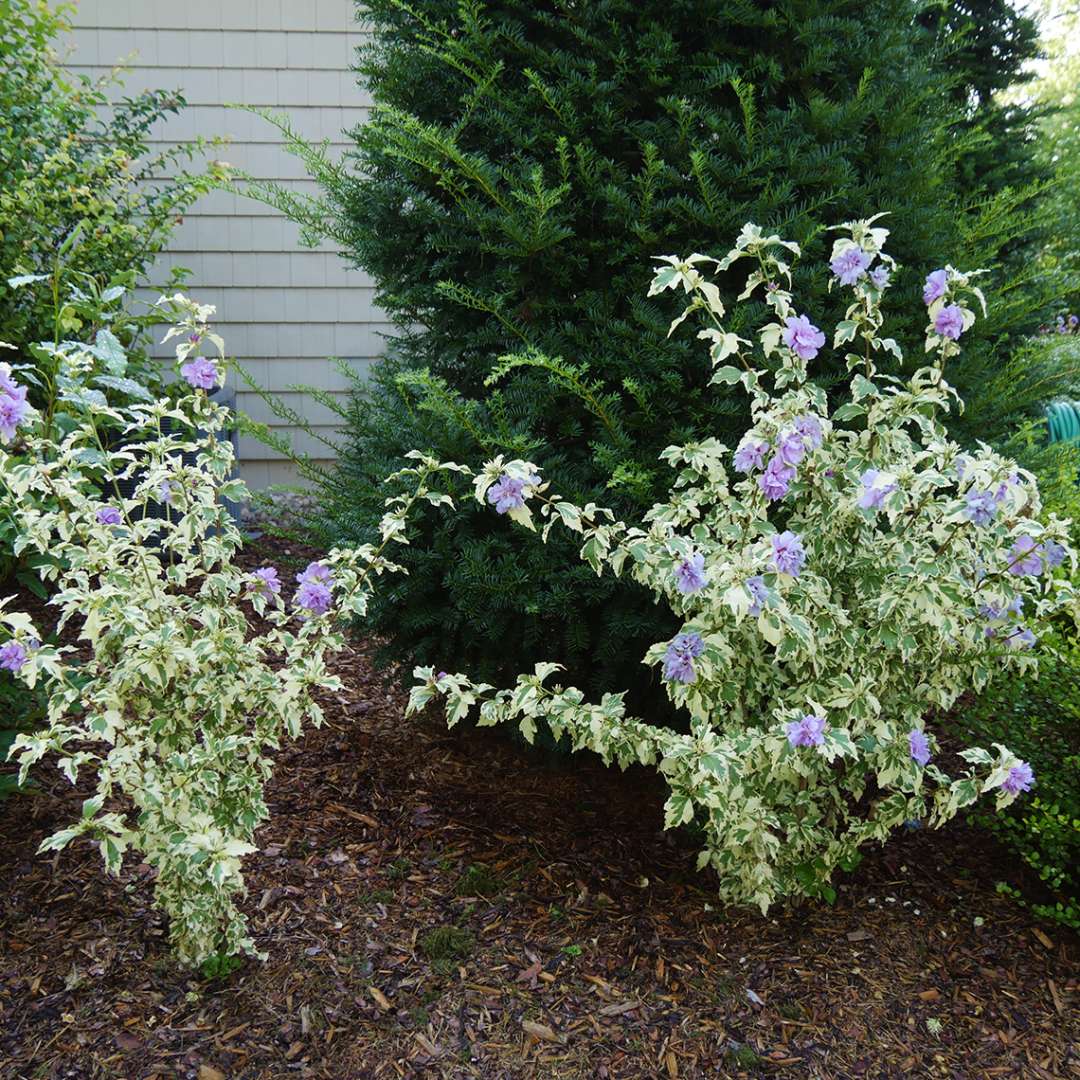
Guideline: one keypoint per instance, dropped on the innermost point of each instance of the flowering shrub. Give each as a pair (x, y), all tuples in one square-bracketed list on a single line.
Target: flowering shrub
[(839, 576), (174, 701)]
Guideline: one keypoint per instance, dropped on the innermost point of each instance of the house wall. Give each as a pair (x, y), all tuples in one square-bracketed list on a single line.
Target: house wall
[(283, 309)]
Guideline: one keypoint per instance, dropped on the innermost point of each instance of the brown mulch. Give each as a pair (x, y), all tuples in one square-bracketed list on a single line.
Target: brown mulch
[(586, 947)]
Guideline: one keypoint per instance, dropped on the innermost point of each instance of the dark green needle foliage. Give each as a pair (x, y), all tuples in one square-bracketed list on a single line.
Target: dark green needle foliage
[(523, 162)]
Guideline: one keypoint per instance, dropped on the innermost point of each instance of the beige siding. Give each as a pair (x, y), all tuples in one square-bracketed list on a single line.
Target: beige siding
[(283, 309)]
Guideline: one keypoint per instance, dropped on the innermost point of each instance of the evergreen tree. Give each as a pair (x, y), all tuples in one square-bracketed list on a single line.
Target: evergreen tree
[(524, 161), (987, 47)]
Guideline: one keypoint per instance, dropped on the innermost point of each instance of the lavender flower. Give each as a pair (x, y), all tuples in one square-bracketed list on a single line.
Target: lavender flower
[(936, 284), (7, 384), (876, 486), (880, 277), (950, 322), (507, 493), (14, 409), (1020, 778), (809, 427), (313, 593), (802, 337), (690, 574), (680, 656), (1053, 553), (788, 553), (850, 264), (776, 479), (981, 507), (313, 596), (809, 731), (918, 747), (12, 656), (755, 586), (201, 374), (1025, 559), (750, 454), (790, 448), (316, 571), (1021, 638), (108, 515), (265, 582), (166, 490)]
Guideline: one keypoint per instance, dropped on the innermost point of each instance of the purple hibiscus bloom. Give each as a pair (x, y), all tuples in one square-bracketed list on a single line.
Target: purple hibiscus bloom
[(981, 507), (802, 336), (507, 493), (950, 322), (936, 284), (876, 486), (788, 553), (14, 409), (809, 731), (316, 571), (1053, 553), (1025, 559), (265, 582), (108, 515), (790, 448), (7, 384), (880, 277), (1021, 638), (918, 747), (690, 574), (12, 656), (750, 454), (809, 427), (776, 479), (850, 265), (1020, 778), (680, 656), (201, 374), (313, 596), (755, 586)]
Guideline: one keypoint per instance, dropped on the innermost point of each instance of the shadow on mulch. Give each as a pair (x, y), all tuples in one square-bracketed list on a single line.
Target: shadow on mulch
[(443, 904)]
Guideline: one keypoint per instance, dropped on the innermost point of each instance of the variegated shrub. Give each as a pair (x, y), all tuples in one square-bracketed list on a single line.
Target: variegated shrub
[(175, 699), (841, 575)]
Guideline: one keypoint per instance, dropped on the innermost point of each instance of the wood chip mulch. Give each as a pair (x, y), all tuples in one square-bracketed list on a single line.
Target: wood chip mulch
[(441, 904)]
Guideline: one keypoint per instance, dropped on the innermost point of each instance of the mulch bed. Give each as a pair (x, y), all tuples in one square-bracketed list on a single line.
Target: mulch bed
[(441, 904)]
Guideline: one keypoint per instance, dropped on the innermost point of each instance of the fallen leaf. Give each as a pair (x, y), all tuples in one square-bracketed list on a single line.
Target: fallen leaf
[(929, 995), (541, 1031), (1044, 940), (379, 998), (859, 935), (530, 973), (672, 1065), (208, 1072)]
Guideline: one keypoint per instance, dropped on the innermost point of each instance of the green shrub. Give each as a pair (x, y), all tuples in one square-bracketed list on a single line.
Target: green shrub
[(77, 168), (522, 164), (1039, 718), (842, 573)]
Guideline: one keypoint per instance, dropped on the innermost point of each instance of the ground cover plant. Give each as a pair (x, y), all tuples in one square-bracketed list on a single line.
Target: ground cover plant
[(173, 702), (841, 574)]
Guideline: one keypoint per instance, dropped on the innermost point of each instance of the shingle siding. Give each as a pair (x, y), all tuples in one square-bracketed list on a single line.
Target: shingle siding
[(283, 309)]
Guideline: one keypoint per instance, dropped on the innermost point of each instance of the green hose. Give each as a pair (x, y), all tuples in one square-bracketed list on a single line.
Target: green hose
[(1063, 421)]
